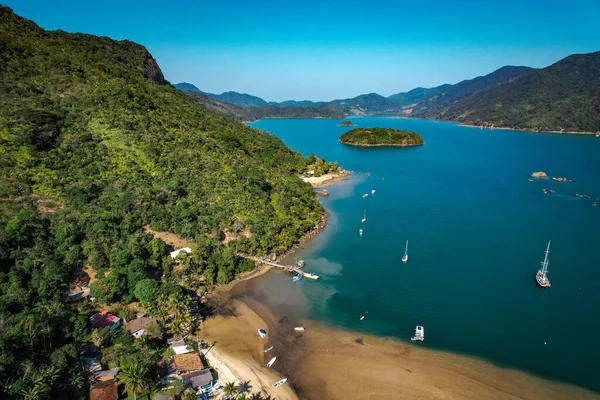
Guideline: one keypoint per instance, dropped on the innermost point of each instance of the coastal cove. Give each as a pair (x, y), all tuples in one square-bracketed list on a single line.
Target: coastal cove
[(477, 230)]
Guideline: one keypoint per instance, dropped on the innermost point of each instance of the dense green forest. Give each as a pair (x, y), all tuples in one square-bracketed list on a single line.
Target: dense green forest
[(94, 145), (381, 137), (563, 96)]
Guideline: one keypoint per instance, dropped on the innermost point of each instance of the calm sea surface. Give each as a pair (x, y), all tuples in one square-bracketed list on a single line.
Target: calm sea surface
[(477, 232)]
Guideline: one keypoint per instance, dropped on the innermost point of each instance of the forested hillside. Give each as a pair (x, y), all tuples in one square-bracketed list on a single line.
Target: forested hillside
[(95, 145), (564, 96)]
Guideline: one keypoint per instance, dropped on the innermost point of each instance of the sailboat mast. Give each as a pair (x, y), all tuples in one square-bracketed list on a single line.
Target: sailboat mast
[(545, 264)]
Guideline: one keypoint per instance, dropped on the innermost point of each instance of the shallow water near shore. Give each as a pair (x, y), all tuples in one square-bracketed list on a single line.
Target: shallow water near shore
[(477, 230)]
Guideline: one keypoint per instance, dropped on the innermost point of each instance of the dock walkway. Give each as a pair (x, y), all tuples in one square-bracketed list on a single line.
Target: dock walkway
[(288, 268)]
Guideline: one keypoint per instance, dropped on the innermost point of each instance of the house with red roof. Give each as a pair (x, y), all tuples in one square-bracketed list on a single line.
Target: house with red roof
[(104, 318)]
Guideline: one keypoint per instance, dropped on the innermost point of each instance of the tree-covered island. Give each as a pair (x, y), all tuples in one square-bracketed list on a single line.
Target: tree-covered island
[(381, 137), (346, 123)]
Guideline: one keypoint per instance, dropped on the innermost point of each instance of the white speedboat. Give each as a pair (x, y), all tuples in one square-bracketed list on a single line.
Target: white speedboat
[(373, 192), (281, 382), (363, 317), (365, 195), (299, 328), (311, 276), (405, 256), (419, 334), (270, 363), (262, 333), (360, 232)]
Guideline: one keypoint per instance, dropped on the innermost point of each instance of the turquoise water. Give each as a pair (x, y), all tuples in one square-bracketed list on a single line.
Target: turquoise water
[(477, 231)]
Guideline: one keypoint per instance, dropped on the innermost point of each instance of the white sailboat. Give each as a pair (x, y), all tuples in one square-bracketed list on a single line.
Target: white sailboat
[(364, 217), (541, 277), (405, 256)]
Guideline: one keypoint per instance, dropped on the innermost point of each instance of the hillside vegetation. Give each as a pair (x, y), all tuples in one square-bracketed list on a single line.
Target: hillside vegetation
[(94, 145), (381, 137), (563, 96)]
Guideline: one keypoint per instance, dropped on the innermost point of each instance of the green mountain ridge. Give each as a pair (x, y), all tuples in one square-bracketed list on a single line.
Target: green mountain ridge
[(562, 97)]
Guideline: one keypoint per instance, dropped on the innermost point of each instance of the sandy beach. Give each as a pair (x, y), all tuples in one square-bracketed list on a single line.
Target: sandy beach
[(330, 363), (326, 179)]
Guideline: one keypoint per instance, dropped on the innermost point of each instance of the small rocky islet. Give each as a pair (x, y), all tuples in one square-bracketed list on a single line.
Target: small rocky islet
[(381, 137)]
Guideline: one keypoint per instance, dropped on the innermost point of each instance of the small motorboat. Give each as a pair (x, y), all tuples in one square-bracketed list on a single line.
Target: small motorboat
[(296, 278), (311, 276), (360, 232), (270, 363), (405, 256), (419, 334), (300, 263), (299, 328), (363, 317), (262, 333), (365, 195), (281, 382), (364, 217), (269, 349)]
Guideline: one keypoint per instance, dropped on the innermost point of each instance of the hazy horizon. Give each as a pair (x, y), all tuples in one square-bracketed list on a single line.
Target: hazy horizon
[(320, 52)]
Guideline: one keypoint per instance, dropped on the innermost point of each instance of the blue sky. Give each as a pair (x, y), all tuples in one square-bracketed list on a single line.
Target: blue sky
[(322, 50)]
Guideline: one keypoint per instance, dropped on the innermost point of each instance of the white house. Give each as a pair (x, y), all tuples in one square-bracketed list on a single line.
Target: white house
[(175, 253)]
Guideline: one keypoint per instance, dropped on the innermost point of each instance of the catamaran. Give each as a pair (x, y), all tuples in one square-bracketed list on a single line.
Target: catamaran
[(364, 217), (541, 277), (405, 257)]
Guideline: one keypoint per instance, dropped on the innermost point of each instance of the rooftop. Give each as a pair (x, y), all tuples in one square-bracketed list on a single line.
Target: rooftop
[(198, 379), (105, 391), (187, 362), (102, 319), (139, 323)]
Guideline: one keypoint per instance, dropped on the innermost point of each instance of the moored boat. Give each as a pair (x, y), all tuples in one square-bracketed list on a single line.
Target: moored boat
[(297, 277), (365, 195), (405, 256), (311, 276), (270, 363), (364, 217), (300, 263), (360, 232), (419, 334), (541, 276), (373, 191), (281, 382), (269, 349)]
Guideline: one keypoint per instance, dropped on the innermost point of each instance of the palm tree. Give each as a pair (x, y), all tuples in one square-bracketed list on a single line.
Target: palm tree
[(161, 312), (242, 397), (257, 396), (133, 376), (230, 389)]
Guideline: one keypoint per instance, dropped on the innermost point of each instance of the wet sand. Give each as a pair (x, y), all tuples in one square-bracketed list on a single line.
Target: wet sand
[(329, 363)]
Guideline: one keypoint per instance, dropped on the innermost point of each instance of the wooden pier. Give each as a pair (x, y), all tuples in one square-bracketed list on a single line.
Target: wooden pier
[(288, 268)]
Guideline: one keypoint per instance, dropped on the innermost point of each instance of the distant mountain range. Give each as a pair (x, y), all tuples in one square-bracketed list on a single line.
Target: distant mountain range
[(247, 112), (562, 97)]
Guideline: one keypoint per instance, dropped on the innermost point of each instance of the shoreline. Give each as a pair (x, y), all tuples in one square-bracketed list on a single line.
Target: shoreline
[(336, 363), (381, 145), (318, 182)]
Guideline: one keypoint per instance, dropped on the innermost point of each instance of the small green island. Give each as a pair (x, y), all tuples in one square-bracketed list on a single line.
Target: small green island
[(346, 123), (381, 137)]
